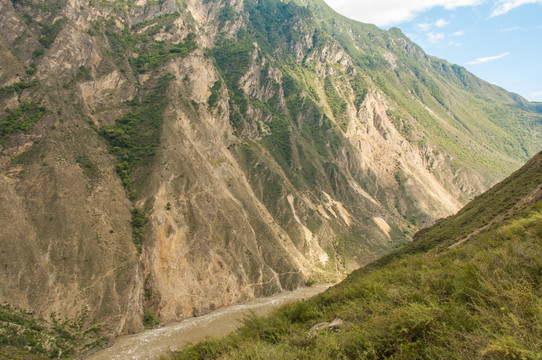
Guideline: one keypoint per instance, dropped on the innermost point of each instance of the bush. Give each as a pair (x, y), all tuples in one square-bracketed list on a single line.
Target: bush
[(149, 318), (336, 102), (133, 138), (215, 93), (150, 53), (139, 223), (48, 33), (18, 87), (21, 119), (279, 140)]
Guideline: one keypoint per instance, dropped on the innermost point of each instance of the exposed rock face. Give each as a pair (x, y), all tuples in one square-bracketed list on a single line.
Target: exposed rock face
[(181, 158)]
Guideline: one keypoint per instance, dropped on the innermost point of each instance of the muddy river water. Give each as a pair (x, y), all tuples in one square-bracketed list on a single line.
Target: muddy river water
[(150, 344)]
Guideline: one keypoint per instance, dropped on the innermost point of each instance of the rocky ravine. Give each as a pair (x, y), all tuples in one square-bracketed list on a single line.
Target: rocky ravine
[(174, 164)]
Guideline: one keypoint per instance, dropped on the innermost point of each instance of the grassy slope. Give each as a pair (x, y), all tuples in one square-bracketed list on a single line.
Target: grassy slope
[(481, 299), (478, 112)]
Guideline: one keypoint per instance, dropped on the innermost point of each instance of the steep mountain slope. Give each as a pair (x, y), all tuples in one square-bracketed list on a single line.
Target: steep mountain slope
[(466, 288), (159, 159)]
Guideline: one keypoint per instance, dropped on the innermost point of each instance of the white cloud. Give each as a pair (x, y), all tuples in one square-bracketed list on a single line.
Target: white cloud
[(453, 43), (389, 12), (441, 23), (504, 6), (434, 37), (513, 28), (537, 94), (423, 27), (487, 59), (458, 33)]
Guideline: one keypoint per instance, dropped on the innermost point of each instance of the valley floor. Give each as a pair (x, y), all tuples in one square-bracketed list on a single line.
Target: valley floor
[(150, 343)]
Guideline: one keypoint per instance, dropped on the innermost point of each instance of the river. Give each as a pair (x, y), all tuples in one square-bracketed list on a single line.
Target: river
[(150, 344)]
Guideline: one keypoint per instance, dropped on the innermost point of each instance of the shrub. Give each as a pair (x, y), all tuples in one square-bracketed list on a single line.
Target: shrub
[(21, 119), (139, 223), (149, 318), (18, 87), (133, 138), (336, 102), (49, 32)]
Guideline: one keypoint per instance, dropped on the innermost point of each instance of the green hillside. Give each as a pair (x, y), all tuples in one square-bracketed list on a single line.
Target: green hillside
[(479, 299)]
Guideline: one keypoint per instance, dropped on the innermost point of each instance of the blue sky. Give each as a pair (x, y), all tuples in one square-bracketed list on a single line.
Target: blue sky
[(499, 41)]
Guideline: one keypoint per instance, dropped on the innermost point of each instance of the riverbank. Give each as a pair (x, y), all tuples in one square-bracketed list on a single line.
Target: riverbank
[(151, 343)]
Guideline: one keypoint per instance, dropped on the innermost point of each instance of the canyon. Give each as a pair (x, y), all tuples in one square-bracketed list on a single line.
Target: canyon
[(163, 159)]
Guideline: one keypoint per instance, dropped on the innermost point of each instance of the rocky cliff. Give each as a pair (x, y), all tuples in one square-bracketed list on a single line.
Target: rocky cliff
[(159, 159)]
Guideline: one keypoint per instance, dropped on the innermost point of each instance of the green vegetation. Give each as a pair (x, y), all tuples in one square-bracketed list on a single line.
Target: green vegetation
[(89, 168), (21, 119), (319, 134), (480, 113), (18, 87), (479, 300), (227, 13), (360, 87), (37, 53), (26, 336), (133, 138), (336, 102), (278, 142), (484, 208), (215, 93), (37, 4), (153, 56), (401, 124), (232, 71), (293, 91), (139, 223), (149, 53), (83, 74), (149, 318), (273, 23), (49, 32)]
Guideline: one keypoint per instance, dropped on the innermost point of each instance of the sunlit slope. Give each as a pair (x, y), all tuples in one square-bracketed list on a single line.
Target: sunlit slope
[(450, 106), (438, 297)]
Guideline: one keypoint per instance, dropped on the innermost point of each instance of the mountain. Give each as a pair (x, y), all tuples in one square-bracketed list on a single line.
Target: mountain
[(160, 159), (466, 288)]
